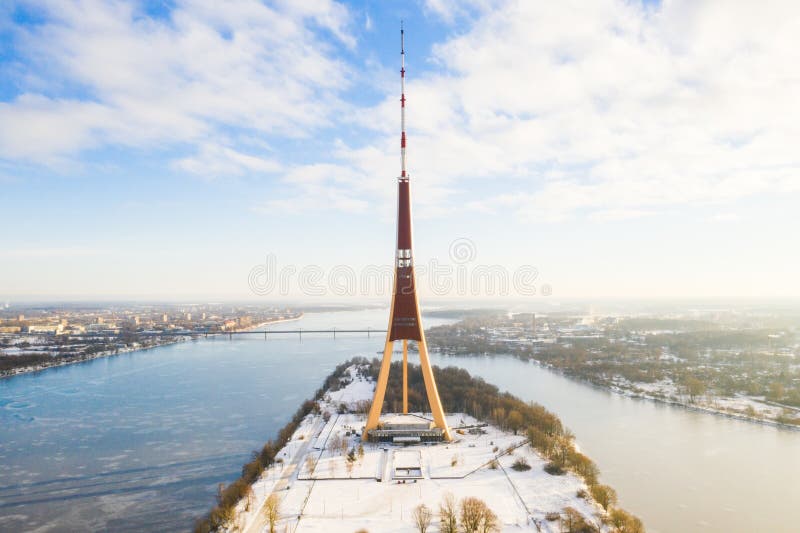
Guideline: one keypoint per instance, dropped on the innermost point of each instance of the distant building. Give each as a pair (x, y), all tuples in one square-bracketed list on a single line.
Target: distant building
[(165, 318), (10, 329), (188, 316), (102, 328), (99, 320), (45, 328), (21, 318)]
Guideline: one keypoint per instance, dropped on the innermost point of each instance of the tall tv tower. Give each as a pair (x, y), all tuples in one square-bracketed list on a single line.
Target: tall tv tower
[(404, 319)]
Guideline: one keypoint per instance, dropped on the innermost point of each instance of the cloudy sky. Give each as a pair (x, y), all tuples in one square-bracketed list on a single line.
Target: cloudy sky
[(625, 149)]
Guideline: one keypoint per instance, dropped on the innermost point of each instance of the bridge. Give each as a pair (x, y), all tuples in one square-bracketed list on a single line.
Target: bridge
[(299, 332)]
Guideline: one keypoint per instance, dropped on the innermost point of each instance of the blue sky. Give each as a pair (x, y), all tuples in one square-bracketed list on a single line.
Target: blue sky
[(162, 149)]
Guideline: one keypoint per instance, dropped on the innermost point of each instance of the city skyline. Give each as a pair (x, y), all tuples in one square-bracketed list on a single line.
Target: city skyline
[(624, 150)]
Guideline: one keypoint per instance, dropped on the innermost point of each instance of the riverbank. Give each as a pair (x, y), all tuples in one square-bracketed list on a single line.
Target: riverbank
[(83, 358), (167, 339), (632, 390), (635, 390), (718, 366), (271, 322)]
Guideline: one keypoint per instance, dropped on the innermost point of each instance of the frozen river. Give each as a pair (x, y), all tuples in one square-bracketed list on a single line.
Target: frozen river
[(140, 441)]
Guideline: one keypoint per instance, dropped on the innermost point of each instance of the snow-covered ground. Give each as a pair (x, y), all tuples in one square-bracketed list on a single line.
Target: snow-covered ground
[(739, 405), (319, 492)]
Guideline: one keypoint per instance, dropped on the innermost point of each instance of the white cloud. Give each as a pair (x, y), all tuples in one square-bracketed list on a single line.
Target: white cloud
[(450, 10), (145, 81), (214, 160), (604, 108), (607, 108), (318, 187)]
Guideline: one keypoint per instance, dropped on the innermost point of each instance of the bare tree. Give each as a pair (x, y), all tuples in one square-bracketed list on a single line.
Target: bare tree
[(472, 510), (624, 522), (249, 496), (423, 517), (489, 523), (271, 510), (334, 443), (695, 387), (604, 495), (448, 514), (573, 522), (515, 421)]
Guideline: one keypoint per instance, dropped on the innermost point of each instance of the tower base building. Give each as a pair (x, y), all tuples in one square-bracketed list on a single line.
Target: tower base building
[(406, 429)]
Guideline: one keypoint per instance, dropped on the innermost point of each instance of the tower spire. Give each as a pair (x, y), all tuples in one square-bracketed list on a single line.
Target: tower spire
[(402, 103)]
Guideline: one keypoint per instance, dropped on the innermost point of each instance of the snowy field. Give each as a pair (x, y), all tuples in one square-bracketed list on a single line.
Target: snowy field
[(319, 492)]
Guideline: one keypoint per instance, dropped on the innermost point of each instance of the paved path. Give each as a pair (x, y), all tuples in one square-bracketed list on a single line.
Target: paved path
[(291, 469)]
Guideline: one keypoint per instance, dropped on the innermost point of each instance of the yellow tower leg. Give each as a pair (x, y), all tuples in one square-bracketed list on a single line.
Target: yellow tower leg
[(405, 376), (380, 390), (430, 388)]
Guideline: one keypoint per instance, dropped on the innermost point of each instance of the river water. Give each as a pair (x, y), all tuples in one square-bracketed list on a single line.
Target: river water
[(140, 441)]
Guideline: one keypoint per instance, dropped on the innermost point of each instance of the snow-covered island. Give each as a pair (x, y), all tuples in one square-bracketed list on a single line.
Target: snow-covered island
[(325, 479)]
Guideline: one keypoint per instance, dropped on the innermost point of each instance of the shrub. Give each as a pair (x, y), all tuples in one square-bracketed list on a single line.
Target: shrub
[(521, 465), (574, 522), (554, 468)]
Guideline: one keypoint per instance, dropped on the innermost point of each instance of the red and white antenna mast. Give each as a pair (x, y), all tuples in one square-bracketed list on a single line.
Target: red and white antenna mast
[(403, 174)]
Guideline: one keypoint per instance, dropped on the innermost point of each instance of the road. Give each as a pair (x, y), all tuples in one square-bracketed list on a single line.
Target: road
[(291, 470)]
